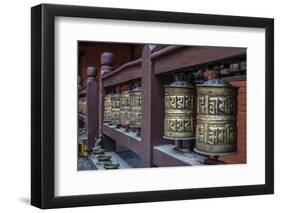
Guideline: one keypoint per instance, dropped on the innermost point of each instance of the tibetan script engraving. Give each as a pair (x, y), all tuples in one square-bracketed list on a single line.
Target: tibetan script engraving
[(179, 102)]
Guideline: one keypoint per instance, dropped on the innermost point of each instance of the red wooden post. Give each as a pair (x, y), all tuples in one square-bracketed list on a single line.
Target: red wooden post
[(147, 81), (106, 67), (152, 107), (92, 106)]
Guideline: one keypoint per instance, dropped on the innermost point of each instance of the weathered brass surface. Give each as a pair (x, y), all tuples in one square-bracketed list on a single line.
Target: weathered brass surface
[(216, 131), (180, 100), (115, 109), (83, 150), (107, 108), (125, 108), (135, 107), (82, 105)]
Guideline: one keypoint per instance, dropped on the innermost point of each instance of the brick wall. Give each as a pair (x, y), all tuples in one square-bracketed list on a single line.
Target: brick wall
[(240, 157)]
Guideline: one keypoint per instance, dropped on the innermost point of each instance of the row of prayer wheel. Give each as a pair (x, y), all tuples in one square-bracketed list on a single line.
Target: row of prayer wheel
[(82, 105), (206, 113), (124, 108)]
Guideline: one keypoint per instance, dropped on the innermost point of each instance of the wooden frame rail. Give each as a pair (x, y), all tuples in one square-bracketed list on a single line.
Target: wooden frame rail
[(173, 58), (127, 72)]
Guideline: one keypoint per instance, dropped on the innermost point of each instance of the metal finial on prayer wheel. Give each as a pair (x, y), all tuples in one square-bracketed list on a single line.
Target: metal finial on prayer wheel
[(115, 109), (216, 130), (125, 108)]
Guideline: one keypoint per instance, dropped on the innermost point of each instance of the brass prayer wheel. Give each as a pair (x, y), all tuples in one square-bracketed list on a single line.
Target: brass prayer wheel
[(180, 111), (224, 70), (216, 131), (83, 150), (82, 105), (125, 108), (115, 109), (107, 109), (234, 68), (135, 107), (243, 65)]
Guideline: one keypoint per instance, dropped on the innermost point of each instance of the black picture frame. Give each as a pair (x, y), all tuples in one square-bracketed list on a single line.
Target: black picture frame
[(43, 102)]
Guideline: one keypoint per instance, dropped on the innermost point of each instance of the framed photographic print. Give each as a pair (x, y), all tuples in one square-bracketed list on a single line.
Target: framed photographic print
[(139, 106)]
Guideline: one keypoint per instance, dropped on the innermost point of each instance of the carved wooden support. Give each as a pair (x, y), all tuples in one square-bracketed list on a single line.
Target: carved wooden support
[(92, 106), (106, 67), (106, 62), (150, 107)]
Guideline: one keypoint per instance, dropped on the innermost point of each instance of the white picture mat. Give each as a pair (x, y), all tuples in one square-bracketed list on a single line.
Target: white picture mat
[(70, 182)]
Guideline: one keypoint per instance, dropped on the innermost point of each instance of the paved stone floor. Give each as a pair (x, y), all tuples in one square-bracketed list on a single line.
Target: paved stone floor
[(130, 157), (84, 164)]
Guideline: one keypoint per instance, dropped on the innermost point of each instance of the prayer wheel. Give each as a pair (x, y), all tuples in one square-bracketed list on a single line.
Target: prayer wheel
[(115, 109), (224, 70), (125, 108), (180, 111), (82, 105), (107, 109), (216, 131), (234, 68), (135, 107), (83, 150), (243, 66)]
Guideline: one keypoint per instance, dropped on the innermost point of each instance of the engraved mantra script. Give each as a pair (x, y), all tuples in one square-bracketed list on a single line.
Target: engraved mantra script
[(216, 134), (107, 115), (216, 105), (135, 117), (125, 101), (115, 116), (181, 102), (116, 103), (124, 116), (180, 125), (107, 102), (136, 101)]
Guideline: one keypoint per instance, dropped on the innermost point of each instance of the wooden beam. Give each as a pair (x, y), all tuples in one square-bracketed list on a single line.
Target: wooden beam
[(177, 58)]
